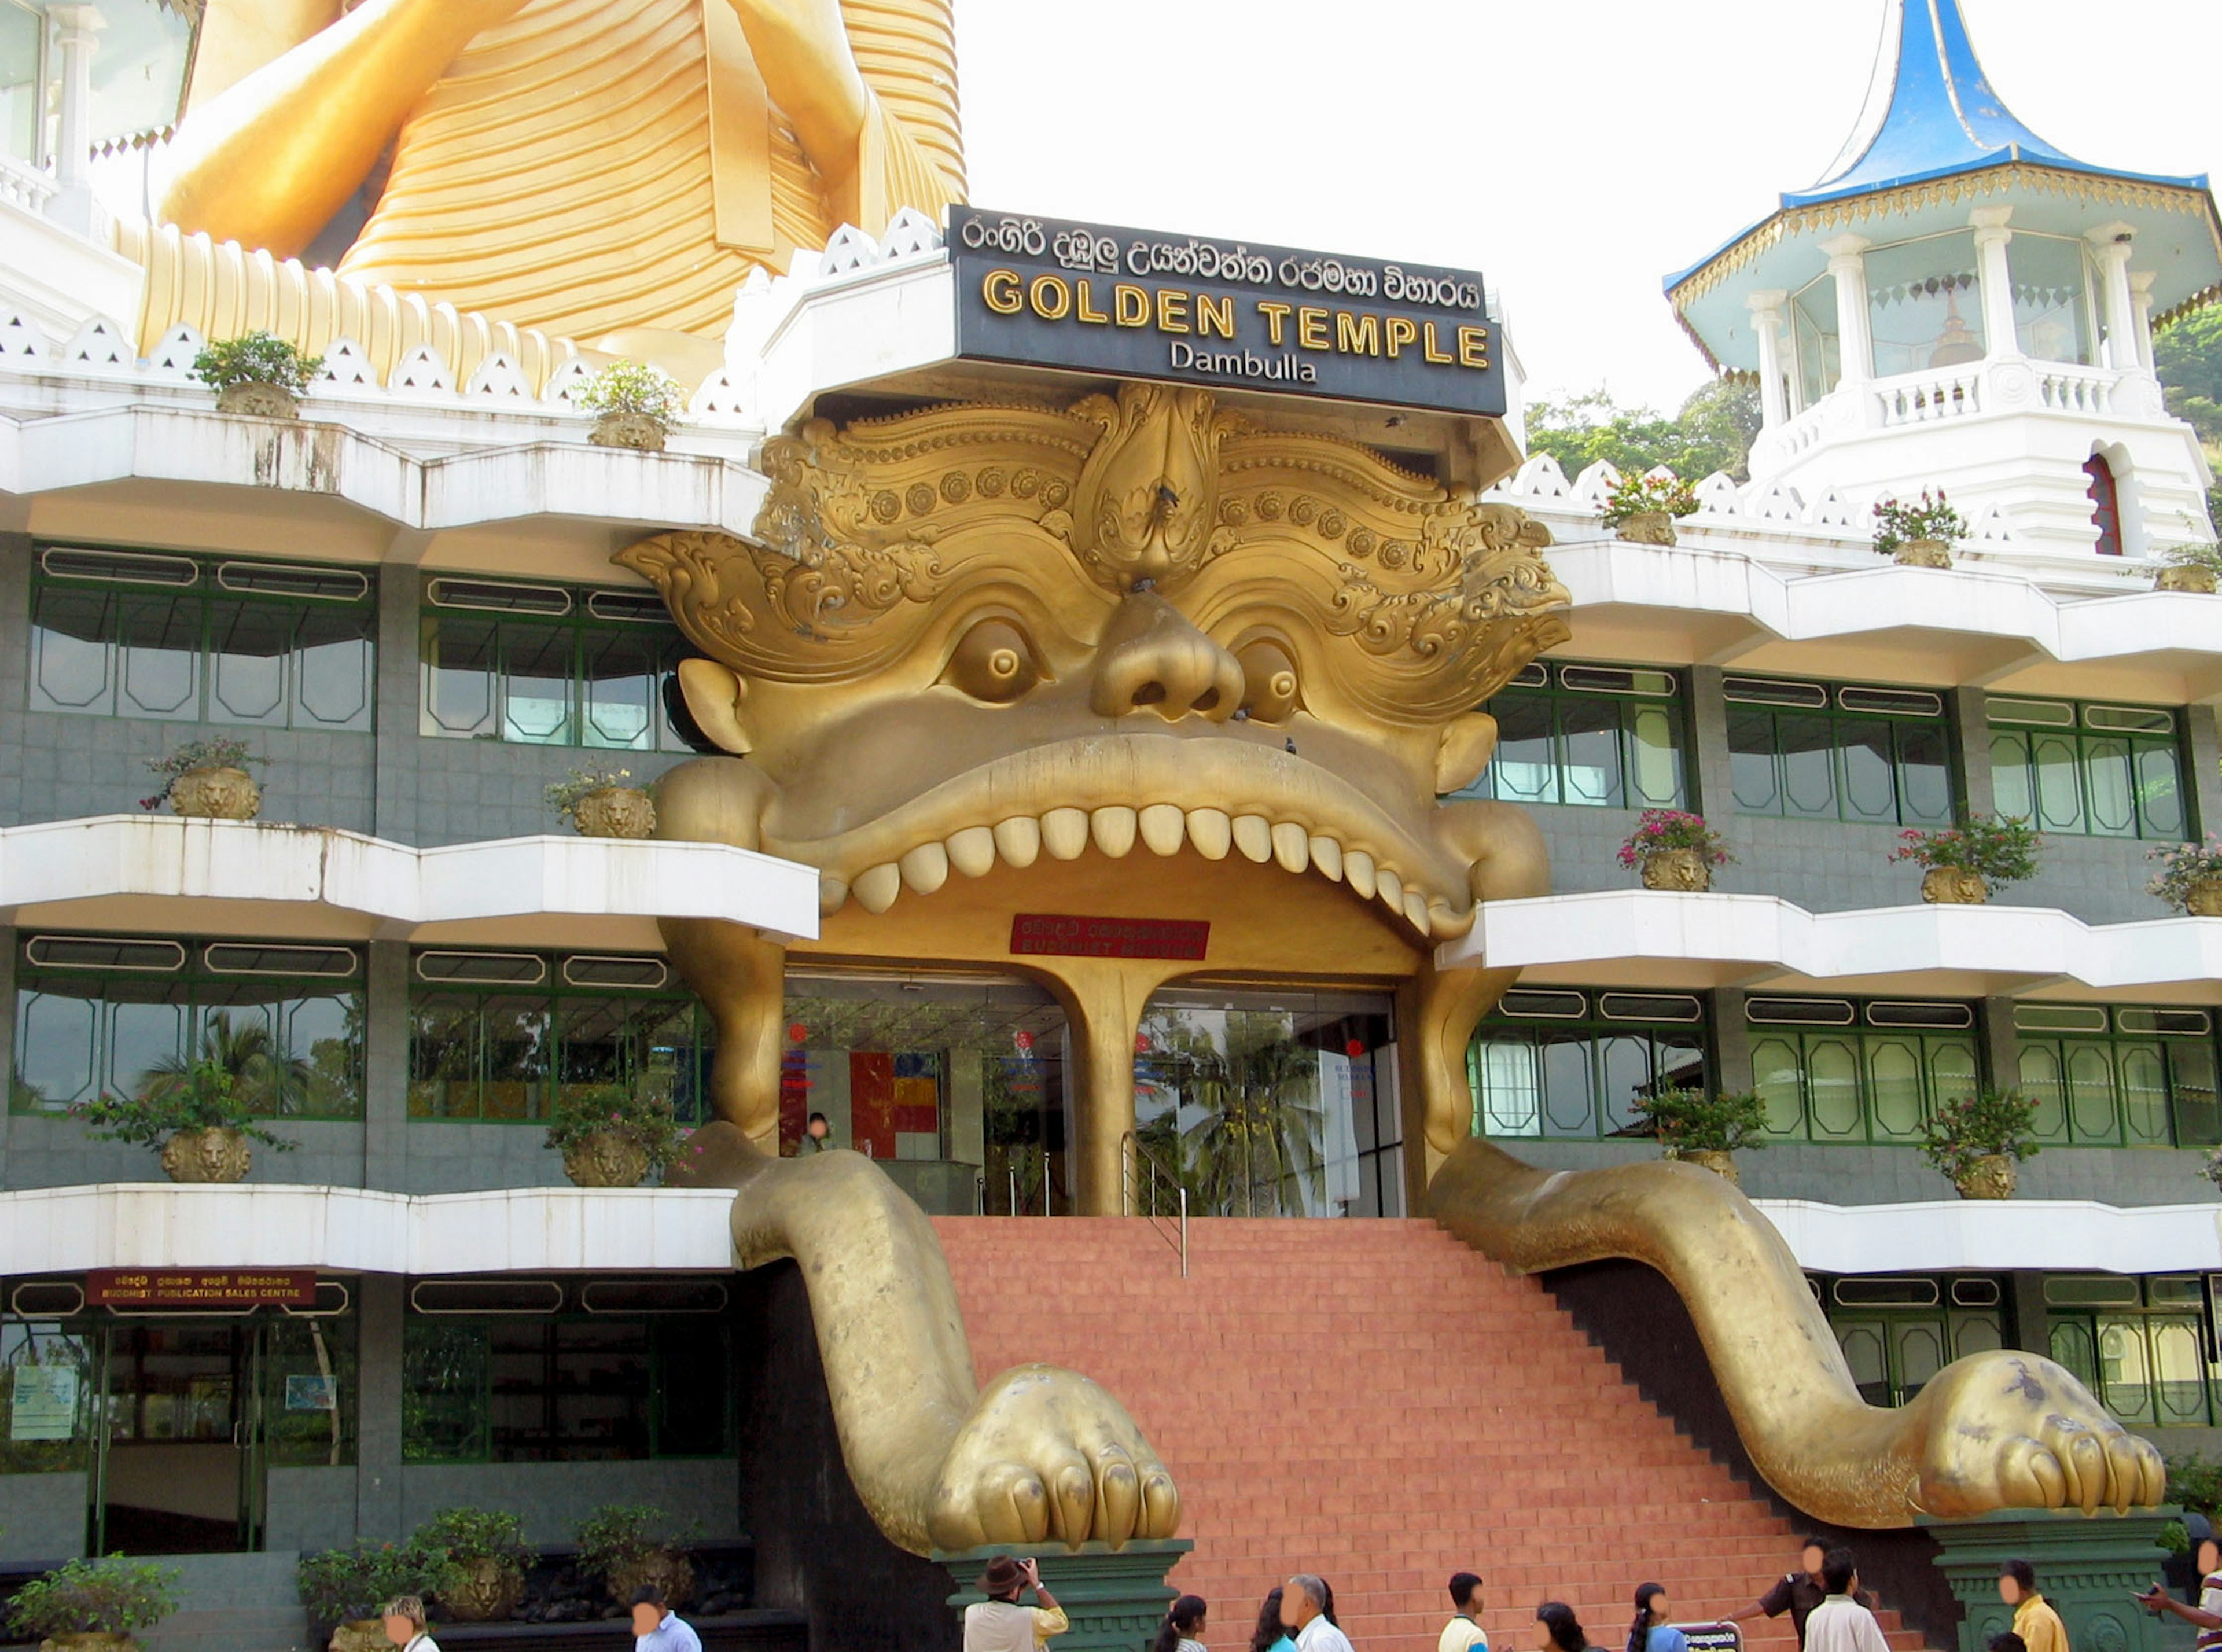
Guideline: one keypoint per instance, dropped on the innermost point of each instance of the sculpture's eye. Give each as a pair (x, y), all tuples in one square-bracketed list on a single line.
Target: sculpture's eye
[(994, 662), (1269, 681)]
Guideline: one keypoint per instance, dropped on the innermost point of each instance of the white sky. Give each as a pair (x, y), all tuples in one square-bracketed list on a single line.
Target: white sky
[(1574, 151)]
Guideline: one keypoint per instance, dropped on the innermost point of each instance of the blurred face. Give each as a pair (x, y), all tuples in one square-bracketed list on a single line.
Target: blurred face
[(2010, 1591), (818, 1128), (1813, 1557), (1540, 1639), (2210, 1556), (1659, 1611), (399, 1630), (1297, 1608), (645, 1617)]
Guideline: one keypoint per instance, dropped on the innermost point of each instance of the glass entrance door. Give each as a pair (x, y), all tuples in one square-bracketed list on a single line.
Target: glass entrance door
[(177, 1470)]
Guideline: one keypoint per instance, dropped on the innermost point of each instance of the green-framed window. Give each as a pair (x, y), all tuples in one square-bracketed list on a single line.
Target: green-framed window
[(2140, 1345), (513, 1370), (1838, 751), (196, 639), (497, 1036), (50, 1364), (2120, 1076), (98, 1014), (1859, 1069), (2100, 771), (1599, 736), (310, 1387), (1898, 1330), (548, 665), (1560, 1063)]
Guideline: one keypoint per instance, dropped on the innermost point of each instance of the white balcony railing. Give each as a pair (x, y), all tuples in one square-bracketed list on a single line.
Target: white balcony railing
[(25, 187)]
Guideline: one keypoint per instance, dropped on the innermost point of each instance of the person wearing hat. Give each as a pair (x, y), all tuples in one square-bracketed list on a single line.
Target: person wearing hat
[(999, 1624), (2206, 1616)]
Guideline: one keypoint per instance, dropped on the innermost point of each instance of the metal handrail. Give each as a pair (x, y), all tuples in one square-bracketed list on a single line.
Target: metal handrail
[(1143, 1167)]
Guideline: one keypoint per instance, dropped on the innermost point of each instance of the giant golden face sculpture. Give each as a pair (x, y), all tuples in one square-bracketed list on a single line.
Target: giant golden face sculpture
[(1142, 656)]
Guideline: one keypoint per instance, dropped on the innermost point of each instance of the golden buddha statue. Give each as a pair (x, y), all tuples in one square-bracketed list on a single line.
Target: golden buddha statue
[(566, 169)]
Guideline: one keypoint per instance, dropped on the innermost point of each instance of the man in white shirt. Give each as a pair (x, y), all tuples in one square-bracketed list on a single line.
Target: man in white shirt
[(1840, 1624), (999, 1624), (1303, 1614), (656, 1628), (1464, 1633)]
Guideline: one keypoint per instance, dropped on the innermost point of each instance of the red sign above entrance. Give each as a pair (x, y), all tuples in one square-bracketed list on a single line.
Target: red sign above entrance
[(201, 1287), (1048, 934)]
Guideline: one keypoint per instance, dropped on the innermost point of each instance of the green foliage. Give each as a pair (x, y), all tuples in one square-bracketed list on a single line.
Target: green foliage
[(256, 358), (1969, 1127), (1659, 830), (1931, 516), (2196, 1484), (563, 796), (2207, 555), (1694, 1121), (1713, 431), (2187, 354), (612, 1109), (2181, 865), (110, 1597), (237, 1080), (617, 1534), (1999, 849), (467, 1536), (1634, 495), (2174, 1538), (344, 1586), (633, 388)]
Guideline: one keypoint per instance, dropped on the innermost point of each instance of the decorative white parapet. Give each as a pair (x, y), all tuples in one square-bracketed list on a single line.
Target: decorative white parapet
[(352, 1230), (296, 878), (1634, 938), (1990, 1235)]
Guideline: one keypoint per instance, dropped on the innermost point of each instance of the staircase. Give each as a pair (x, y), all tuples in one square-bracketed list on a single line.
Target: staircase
[(1374, 1402)]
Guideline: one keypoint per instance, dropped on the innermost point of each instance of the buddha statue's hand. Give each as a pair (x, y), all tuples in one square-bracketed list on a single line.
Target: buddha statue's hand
[(1047, 1454), (801, 49), (2013, 1431)]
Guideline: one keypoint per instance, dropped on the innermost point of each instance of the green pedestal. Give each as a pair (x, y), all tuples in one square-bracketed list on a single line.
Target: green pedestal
[(1116, 1598), (2087, 1566)]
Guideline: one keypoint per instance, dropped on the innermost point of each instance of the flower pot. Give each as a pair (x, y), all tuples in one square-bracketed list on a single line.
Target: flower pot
[(207, 1156), (673, 1573), (2204, 898), (1924, 553), (635, 431), (359, 1634), (605, 1161), (1649, 528), (1719, 1161), (615, 812), (1677, 869), (216, 794), (2200, 580), (1948, 886), (258, 400), (89, 1640), (1991, 1177), (486, 1592)]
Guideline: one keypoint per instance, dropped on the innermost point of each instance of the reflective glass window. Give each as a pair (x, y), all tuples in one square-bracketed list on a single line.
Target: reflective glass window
[(2052, 287), (1847, 753), (1869, 1078), (2109, 772), (1601, 737), (1924, 307), (1581, 1076)]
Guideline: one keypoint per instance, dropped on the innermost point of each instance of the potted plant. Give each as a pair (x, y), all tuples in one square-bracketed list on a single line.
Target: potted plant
[(629, 1544), (637, 406), (486, 1554), (202, 1120), (2190, 877), (599, 803), (1706, 1129), (344, 1589), (1921, 534), (1675, 850), (1974, 1141), (208, 779), (1643, 509), (1967, 862), (257, 373), (88, 1604), (2190, 568), (611, 1136)]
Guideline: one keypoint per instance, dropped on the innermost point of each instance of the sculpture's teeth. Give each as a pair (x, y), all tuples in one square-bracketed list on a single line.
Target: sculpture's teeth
[(972, 852), (1358, 871), (1446, 922), (1064, 832), (925, 868), (1162, 829), (832, 896), (1211, 832), (1254, 836), (877, 889), (1326, 855), (1018, 840), (1291, 846), (1390, 889), (1113, 826), (1415, 909)]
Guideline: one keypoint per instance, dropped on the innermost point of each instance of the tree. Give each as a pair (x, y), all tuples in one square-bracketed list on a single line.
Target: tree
[(1262, 1135), (2188, 355), (1713, 430), (266, 1080)]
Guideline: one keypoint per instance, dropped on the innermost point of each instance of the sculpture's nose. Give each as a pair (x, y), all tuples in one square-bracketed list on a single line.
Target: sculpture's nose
[(1152, 659)]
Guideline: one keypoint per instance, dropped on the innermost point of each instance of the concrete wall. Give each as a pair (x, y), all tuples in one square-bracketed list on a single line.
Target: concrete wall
[(43, 1517)]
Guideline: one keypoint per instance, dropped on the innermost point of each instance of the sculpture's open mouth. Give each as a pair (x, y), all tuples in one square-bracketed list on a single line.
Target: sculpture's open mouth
[(1215, 795)]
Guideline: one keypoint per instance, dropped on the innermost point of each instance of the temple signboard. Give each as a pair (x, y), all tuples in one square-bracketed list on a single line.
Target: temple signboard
[(1092, 299), (1049, 934), (203, 1288)]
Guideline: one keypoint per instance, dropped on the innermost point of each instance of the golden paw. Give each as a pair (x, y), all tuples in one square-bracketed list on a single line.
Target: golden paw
[(1047, 1453), (2013, 1431)]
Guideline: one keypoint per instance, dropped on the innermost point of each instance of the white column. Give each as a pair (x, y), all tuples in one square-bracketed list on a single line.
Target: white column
[(76, 33), (1999, 337), (2112, 243), (1848, 268), (2141, 286), (1767, 327)]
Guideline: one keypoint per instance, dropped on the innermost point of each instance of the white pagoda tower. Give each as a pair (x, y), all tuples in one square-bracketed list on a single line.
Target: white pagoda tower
[(1958, 303)]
